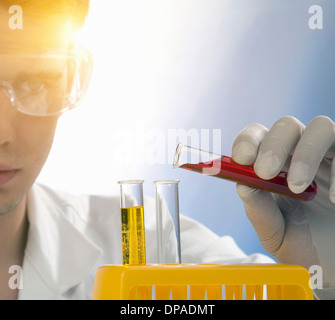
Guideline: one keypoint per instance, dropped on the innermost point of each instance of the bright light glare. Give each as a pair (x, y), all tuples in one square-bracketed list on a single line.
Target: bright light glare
[(130, 52)]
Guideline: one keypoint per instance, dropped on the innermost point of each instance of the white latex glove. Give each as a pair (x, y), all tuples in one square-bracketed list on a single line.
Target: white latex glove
[(293, 231)]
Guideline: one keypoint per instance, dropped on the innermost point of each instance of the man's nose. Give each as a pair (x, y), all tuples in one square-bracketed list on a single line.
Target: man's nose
[(7, 113)]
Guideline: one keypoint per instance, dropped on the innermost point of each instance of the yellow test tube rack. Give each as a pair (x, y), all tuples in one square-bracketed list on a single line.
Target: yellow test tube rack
[(202, 281)]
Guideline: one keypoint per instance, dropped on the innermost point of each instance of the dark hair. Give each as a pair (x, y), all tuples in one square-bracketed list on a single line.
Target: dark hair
[(74, 10)]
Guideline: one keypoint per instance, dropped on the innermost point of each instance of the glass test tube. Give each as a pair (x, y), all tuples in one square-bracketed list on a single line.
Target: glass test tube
[(167, 220), (132, 222), (225, 168)]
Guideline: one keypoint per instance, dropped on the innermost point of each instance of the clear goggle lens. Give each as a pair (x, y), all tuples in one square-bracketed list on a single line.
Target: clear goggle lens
[(44, 85)]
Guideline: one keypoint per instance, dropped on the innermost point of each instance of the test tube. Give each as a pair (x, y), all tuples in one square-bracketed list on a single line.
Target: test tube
[(224, 167), (167, 220), (132, 222)]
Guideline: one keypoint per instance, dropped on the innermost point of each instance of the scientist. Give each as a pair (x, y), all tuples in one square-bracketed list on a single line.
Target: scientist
[(59, 240)]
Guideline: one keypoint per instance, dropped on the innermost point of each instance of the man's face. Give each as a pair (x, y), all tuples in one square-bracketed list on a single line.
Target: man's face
[(25, 140)]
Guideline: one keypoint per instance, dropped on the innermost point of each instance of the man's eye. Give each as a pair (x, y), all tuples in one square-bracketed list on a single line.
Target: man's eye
[(31, 86)]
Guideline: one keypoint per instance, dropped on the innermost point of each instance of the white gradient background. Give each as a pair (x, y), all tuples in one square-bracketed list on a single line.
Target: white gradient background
[(183, 64)]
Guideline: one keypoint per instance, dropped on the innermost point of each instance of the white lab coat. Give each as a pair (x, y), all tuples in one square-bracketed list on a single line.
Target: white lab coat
[(71, 236)]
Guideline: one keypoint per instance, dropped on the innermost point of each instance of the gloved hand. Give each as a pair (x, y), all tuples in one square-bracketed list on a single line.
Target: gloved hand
[(293, 231)]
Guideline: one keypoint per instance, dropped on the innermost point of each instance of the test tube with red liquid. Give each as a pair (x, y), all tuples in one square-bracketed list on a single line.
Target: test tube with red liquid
[(224, 167)]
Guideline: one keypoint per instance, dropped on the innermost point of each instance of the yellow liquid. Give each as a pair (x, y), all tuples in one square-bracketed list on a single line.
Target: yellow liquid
[(133, 235)]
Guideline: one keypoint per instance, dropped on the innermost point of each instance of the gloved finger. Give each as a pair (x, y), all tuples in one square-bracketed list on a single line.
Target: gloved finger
[(277, 146), (247, 142), (332, 182), (317, 140), (264, 215)]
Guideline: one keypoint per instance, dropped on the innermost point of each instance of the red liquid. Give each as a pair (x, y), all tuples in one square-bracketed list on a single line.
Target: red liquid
[(227, 168)]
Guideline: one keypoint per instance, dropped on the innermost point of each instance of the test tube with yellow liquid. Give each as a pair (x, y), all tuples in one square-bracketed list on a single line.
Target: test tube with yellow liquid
[(133, 230), (132, 222)]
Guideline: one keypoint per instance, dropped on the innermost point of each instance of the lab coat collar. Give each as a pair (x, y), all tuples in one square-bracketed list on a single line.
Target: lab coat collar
[(57, 256)]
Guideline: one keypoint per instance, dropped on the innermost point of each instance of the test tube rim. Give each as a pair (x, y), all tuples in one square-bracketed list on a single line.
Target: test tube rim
[(180, 149), (131, 182), (177, 155), (164, 182)]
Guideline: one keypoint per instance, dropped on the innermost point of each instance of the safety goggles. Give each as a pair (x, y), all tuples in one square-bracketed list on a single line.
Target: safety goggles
[(45, 84)]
